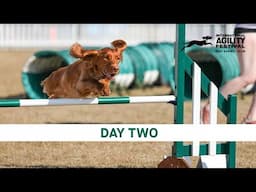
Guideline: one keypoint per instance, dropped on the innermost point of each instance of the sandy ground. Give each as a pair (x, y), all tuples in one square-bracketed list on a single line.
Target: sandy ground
[(93, 154)]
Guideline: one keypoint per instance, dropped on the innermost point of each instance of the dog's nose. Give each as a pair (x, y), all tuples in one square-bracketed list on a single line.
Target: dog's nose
[(115, 69)]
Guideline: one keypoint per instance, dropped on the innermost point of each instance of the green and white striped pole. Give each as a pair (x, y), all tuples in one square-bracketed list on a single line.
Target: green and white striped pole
[(87, 101)]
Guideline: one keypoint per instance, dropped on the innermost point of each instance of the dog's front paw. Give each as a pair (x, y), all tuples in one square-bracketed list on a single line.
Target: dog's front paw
[(105, 92)]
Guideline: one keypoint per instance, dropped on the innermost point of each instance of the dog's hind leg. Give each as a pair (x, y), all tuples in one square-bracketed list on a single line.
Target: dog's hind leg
[(52, 96)]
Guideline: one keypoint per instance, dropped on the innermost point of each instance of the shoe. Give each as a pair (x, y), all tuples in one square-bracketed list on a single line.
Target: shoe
[(246, 121), (250, 122)]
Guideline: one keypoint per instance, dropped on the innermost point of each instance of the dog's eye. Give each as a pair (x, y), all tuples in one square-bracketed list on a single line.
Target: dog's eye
[(107, 57)]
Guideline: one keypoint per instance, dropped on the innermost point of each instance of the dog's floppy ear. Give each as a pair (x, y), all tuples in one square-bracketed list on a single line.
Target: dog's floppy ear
[(120, 45), (78, 51)]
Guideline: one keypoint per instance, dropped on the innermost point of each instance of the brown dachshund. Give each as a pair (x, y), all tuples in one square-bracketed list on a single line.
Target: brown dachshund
[(89, 76)]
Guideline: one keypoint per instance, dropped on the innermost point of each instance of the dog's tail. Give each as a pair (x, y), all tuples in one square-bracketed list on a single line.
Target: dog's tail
[(183, 48), (42, 83)]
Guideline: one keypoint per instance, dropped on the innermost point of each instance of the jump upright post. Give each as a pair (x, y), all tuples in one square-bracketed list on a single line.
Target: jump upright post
[(184, 65)]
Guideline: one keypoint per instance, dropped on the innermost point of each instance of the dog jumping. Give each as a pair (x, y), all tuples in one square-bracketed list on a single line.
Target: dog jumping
[(90, 76)]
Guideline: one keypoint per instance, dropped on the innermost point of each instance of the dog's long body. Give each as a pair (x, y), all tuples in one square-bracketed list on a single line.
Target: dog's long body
[(75, 81), (89, 76), (197, 42)]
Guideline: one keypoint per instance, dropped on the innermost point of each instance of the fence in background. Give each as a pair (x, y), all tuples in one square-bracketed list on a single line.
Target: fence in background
[(63, 35)]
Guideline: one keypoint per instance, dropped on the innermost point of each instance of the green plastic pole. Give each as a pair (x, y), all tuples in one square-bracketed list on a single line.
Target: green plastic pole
[(179, 83), (231, 119)]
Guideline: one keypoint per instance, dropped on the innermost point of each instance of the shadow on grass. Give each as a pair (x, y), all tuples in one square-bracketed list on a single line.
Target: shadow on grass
[(18, 96), (83, 123)]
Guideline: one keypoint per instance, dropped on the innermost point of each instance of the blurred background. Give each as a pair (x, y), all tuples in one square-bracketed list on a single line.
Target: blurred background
[(63, 35), (148, 60)]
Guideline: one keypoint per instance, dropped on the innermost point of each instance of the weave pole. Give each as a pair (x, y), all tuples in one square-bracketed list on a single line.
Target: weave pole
[(89, 101)]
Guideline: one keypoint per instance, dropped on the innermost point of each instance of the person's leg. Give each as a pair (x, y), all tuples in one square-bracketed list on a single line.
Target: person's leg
[(247, 61), (251, 116)]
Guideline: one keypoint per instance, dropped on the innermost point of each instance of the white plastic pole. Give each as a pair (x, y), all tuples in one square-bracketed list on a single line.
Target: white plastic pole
[(213, 114), (196, 100)]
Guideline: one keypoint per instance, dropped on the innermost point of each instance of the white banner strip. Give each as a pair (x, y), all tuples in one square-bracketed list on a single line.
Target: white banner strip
[(127, 132)]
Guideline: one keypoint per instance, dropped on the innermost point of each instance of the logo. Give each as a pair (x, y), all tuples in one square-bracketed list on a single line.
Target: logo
[(230, 42), (223, 42)]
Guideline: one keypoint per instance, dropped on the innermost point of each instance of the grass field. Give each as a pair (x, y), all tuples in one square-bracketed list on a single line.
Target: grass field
[(93, 154)]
